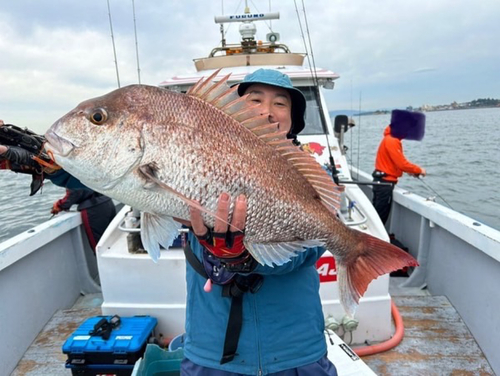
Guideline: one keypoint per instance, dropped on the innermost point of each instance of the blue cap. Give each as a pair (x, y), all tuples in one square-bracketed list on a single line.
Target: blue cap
[(407, 125), (274, 78)]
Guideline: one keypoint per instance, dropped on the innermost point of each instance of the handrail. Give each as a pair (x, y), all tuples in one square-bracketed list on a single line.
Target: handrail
[(480, 236), (19, 246), (353, 223), (246, 49)]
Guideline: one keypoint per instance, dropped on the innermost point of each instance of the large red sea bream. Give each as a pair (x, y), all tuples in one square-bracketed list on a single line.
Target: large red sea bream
[(160, 152)]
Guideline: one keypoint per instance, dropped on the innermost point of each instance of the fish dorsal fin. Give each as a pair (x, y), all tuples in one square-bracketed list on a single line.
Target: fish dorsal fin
[(307, 165), (316, 175), (227, 99), (203, 85), (220, 95)]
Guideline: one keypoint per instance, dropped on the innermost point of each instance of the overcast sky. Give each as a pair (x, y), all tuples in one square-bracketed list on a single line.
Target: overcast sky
[(391, 54)]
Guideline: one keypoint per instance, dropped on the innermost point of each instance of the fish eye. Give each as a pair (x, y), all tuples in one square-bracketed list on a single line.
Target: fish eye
[(99, 116)]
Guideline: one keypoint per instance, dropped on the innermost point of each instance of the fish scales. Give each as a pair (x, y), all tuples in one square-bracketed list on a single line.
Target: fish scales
[(229, 158), (193, 151)]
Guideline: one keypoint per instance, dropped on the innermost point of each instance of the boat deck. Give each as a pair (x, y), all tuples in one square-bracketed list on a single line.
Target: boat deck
[(436, 341), (44, 356)]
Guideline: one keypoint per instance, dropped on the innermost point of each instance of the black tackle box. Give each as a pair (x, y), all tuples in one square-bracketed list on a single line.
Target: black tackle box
[(108, 345)]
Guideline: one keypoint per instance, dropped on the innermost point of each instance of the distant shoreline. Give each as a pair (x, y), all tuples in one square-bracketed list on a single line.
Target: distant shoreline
[(386, 112), (465, 108), (432, 110)]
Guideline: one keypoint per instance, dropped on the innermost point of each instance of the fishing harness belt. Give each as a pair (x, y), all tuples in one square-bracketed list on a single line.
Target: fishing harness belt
[(234, 286)]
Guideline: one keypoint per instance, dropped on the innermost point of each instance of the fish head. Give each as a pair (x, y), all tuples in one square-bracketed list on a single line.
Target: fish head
[(100, 141)]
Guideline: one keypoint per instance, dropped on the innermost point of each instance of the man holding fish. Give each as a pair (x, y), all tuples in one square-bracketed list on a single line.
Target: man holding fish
[(282, 324)]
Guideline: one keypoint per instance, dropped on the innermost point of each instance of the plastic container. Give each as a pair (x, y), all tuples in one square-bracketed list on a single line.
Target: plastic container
[(176, 343), (159, 362), (111, 351)]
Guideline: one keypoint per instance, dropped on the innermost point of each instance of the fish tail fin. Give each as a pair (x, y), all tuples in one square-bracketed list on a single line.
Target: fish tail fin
[(374, 257)]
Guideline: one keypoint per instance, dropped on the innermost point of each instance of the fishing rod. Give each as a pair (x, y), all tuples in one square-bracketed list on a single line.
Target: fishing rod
[(437, 194), (136, 44), (114, 48), (359, 136), (224, 32), (364, 182), (351, 138), (314, 75)]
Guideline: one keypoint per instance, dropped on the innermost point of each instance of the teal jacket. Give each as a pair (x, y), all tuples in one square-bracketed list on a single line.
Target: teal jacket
[(283, 323)]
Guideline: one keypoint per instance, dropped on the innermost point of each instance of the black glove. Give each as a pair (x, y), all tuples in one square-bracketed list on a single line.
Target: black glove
[(21, 160)]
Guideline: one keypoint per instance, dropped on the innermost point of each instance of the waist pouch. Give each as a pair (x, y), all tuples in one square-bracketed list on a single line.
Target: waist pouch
[(378, 174)]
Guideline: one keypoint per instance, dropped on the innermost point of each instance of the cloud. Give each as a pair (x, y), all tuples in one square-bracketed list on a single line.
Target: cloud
[(56, 54), (424, 70)]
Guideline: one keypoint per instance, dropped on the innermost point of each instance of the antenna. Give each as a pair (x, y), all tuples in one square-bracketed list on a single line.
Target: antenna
[(222, 32), (136, 45), (247, 28), (114, 48), (246, 17)]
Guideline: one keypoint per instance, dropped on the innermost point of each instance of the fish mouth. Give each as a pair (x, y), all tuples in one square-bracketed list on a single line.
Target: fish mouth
[(59, 145)]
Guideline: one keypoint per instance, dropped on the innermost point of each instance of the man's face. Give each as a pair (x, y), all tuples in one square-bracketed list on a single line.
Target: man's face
[(273, 101)]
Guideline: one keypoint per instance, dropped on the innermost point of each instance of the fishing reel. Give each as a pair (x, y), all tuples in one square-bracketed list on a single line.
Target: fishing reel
[(31, 142), (12, 135)]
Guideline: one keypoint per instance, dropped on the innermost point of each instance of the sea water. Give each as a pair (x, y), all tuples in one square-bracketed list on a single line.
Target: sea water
[(18, 210), (460, 152)]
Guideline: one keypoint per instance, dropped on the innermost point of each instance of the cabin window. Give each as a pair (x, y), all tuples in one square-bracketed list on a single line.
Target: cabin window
[(314, 124)]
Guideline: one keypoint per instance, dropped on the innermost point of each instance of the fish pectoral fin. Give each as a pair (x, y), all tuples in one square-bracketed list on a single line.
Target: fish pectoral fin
[(157, 230), (149, 173), (280, 253)]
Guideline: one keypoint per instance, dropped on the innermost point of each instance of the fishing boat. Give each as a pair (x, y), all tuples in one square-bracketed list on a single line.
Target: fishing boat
[(50, 280)]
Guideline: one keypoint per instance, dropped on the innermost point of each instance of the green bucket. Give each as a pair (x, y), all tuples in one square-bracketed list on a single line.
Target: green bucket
[(159, 362)]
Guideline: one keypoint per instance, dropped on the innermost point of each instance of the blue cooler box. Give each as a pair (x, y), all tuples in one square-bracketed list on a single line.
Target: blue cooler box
[(108, 345)]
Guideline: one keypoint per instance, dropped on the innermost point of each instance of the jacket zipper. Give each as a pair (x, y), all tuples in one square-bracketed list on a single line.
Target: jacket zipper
[(257, 334)]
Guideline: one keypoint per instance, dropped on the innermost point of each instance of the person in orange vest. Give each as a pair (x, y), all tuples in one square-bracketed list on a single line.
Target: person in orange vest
[(391, 162)]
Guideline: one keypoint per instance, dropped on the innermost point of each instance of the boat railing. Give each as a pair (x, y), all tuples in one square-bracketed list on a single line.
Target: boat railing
[(42, 270), (459, 258), (347, 217), (263, 48), (469, 230)]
